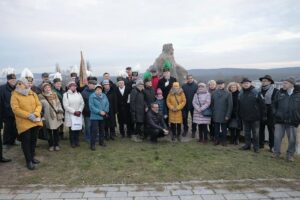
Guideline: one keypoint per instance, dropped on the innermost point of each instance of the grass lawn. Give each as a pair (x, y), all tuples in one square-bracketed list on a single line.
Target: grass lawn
[(124, 161)]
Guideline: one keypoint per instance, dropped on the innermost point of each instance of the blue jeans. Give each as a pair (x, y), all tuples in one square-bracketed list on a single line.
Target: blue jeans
[(87, 128), (220, 132), (97, 126), (251, 129), (280, 130)]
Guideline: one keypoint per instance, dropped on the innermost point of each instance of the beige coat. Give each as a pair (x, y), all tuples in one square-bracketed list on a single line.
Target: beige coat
[(53, 119)]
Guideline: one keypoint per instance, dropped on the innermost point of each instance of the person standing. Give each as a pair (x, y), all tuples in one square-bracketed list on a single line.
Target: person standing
[(251, 108), (221, 108), (123, 109), (148, 90), (189, 89), (234, 124), (176, 101), (27, 109), (90, 89), (154, 79), (286, 108), (10, 131), (53, 115), (268, 93), (73, 104), (201, 102), (2, 159), (59, 91), (138, 107), (99, 107), (110, 119), (212, 84)]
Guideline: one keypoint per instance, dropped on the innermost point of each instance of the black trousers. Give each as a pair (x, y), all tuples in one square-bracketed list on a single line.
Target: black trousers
[(10, 132), (212, 130), (271, 130), (220, 132), (203, 132), (139, 128), (185, 116), (109, 129), (176, 129), (74, 137), (1, 150), (154, 133), (97, 126), (235, 135), (53, 137), (28, 143)]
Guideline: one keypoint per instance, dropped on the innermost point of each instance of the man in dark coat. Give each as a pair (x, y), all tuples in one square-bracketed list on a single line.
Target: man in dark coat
[(90, 89), (149, 92), (10, 131), (110, 119), (165, 84), (267, 93), (221, 104), (155, 124), (138, 107), (251, 108), (2, 159), (123, 107), (189, 89), (286, 108)]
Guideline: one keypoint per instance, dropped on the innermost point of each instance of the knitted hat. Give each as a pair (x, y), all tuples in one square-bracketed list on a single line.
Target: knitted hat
[(105, 82), (44, 85), (147, 76), (246, 80), (167, 65), (290, 80), (99, 86), (139, 82), (23, 81), (71, 83)]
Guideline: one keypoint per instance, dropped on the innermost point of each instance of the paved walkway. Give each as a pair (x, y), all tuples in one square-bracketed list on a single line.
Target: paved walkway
[(194, 190)]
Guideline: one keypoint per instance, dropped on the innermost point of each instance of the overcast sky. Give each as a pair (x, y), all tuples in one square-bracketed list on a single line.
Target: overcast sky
[(116, 33)]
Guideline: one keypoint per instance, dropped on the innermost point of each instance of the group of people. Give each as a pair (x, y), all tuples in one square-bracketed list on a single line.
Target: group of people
[(151, 107)]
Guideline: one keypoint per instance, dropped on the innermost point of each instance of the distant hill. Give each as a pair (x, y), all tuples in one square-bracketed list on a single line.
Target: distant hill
[(236, 73)]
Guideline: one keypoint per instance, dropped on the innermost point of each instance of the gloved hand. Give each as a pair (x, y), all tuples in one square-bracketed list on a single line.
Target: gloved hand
[(31, 117), (77, 113)]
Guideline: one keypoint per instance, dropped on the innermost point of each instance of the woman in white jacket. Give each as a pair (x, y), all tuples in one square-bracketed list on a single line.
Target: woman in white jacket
[(73, 104)]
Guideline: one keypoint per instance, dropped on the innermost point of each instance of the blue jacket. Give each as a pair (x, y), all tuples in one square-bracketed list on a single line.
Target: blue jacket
[(98, 104)]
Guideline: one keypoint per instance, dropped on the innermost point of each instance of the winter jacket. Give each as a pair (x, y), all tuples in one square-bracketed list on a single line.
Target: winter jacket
[(98, 104), (176, 100), (154, 81), (24, 105), (123, 105), (286, 107), (85, 95), (166, 88), (53, 116), (113, 107), (221, 104), (162, 107), (201, 101), (137, 105), (189, 90), (72, 102), (155, 120), (149, 96), (250, 105), (5, 96)]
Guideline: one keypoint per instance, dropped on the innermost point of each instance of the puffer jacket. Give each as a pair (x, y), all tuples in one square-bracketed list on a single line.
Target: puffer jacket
[(72, 102), (176, 100)]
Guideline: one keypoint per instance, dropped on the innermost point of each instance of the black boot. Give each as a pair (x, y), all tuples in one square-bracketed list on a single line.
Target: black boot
[(4, 160), (30, 165), (200, 136), (193, 134)]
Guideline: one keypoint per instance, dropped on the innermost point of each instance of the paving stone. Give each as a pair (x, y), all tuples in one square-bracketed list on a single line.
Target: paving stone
[(144, 198), (6, 196), (202, 190), (181, 192), (212, 197), (93, 194), (160, 193), (294, 193), (109, 189), (128, 188), (71, 195), (138, 194), (168, 198), (26, 196), (254, 195), (191, 197), (116, 194), (48, 195), (278, 195), (235, 196)]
